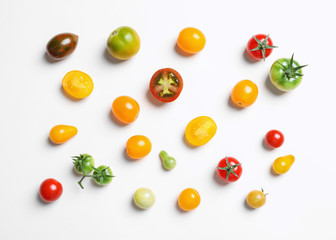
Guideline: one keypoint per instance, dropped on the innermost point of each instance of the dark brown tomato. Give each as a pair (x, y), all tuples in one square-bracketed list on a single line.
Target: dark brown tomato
[(62, 45), (166, 85)]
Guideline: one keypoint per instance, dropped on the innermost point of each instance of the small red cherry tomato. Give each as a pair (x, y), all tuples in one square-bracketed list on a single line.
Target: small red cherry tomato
[(274, 139), (50, 190), (229, 169), (260, 46), (166, 85)]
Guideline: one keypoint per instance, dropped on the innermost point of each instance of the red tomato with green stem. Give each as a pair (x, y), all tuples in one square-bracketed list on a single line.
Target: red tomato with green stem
[(229, 169), (260, 46)]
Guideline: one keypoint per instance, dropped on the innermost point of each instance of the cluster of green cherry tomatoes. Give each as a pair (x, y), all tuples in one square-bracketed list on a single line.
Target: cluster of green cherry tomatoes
[(166, 85)]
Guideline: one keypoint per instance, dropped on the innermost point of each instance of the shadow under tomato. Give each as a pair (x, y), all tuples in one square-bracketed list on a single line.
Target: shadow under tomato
[(181, 52), (248, 58), (248, 206), (48, 59), (51, 143), (269, 85), (186, 142), (110, 58), (69, 96), (218, 180), (231, 104), (128, 158), (136, 206), (40, 200), (177, 206), (274, 174), (153, 99), (265, 146), (115, 120)]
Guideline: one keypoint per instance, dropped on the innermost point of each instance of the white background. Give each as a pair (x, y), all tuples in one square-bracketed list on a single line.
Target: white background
[(300, 204)]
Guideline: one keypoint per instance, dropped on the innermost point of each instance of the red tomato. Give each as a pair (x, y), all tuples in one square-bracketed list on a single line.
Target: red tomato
[(260, 47), (229, 169), (166, 85), (274, 139), (50, 190)]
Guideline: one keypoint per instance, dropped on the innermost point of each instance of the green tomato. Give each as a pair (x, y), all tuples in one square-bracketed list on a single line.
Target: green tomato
[(286, 74), (167, 161), (144, 198), (83, 163), (102, 175), (123, 43)]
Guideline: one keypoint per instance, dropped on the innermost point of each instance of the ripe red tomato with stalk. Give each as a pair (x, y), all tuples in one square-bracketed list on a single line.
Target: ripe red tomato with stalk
[(229, 169), (260, 46)]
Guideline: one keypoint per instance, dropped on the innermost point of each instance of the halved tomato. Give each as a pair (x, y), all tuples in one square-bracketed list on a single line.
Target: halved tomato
[(166, 85)]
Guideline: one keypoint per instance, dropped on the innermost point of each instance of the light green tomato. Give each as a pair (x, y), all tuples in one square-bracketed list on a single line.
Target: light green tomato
[(144, 198), (123, 43), (167, 161)]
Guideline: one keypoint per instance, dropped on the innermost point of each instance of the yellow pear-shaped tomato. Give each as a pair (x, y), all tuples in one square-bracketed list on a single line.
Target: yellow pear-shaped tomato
[(281, 165), (200, 130), (62, 133)]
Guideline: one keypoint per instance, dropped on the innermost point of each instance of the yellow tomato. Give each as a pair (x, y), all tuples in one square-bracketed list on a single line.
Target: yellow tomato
[(191, 40), (200, 130), (281, 165), (256, 198), (125, 109), (138, 147), (77, 84), (62, 133), (245, 93), (189, 199)]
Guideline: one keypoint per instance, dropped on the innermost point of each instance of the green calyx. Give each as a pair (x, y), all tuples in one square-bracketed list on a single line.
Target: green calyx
[(290, 71), (98, 174), (229, 169), (262, 46), (79, 161)]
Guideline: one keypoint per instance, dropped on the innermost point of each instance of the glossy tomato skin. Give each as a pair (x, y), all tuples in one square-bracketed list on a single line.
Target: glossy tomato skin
[(144, 198), (62, 45), (189, 199), (50, 190), (123, 43), (223, 174), (138, 147), (191, 40), (200, 130), (166, 85), (61, 133), (244, 93), (256, 199), (77, 84), (274, 139), (282, 164), (125, 109), (280, 79), (252, 44)]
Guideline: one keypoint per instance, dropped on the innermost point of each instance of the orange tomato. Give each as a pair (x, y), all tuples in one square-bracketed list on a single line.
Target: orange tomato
[(189, 199), (77, 84), (200, 130), (191, 40), (244, 94), (138, 147), (125, 109), (62, 133)]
